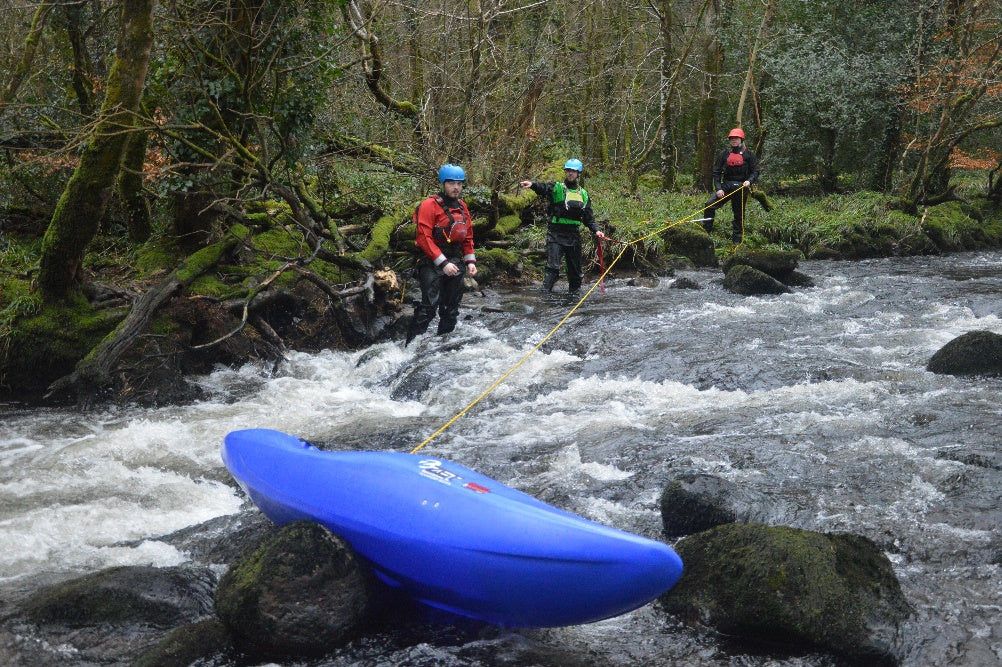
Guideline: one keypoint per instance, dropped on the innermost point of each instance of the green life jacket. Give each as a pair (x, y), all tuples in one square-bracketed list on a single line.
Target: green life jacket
[(568, 205)]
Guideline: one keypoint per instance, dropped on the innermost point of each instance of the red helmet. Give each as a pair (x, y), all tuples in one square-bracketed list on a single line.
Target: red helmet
[(737, 132)]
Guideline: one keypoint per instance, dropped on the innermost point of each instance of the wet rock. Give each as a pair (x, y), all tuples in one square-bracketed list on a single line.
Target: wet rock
[(196, 643), (974, 353), (749, 281), (643, 281), (685, 283), (695, 503), (823, 252), (795, 588), (220, 541), (106, 617), (798, 279), (301, 592), (159, 596), (981, 459)]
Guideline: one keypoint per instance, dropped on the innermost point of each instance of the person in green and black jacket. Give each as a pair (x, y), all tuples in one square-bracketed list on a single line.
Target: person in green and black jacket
[(569, 208)]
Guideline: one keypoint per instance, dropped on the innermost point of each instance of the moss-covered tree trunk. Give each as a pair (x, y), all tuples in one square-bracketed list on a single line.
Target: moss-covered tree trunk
[(83, 202)]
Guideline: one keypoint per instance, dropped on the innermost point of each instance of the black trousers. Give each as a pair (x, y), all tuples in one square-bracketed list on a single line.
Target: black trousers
[(440, 293), (563, 245), (738, 202)]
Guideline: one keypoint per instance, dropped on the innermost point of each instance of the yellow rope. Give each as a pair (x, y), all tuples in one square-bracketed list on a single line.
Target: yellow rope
[(560, 324)]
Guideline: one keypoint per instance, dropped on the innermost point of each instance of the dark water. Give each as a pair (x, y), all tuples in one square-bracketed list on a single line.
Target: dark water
[(817, 402)]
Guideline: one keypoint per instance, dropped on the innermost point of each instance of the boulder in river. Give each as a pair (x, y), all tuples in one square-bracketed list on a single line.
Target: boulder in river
[(779, 264), (694, 502), (789, 587), (301, 592), (974, 353), (692, 242), (100, 618), (747, 280)]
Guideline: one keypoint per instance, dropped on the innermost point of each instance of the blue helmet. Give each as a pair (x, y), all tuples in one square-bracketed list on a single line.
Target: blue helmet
[(451, 172), (574, 164)]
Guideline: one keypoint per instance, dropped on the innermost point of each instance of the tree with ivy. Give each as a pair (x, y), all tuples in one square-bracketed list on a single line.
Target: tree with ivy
[(85, 198)]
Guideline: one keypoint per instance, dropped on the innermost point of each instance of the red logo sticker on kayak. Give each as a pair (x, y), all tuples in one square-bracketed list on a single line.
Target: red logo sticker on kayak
[(473, 486)]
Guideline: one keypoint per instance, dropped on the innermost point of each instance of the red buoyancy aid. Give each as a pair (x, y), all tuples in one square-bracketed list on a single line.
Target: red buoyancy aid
[(451, 228)]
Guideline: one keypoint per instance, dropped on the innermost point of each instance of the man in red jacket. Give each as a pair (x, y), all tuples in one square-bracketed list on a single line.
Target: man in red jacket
[(445, 236)]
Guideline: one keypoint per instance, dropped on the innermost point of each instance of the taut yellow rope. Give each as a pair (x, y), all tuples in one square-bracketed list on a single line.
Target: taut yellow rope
[(558, 325)]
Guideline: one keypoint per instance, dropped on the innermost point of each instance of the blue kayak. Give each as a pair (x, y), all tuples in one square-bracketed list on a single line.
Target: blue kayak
[(451, 537)]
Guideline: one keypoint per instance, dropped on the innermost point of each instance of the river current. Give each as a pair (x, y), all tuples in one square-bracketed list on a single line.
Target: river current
[(816, 401)]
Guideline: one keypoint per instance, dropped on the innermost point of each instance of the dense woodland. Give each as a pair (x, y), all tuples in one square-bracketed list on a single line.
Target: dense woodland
[(222, 149)]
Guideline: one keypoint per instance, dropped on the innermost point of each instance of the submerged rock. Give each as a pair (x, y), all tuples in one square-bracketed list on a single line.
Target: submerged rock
[(786, 586), (150, 595), (189, 645), (302, 592), (684, 283), (696, 503), (974, 353), (106, 617)]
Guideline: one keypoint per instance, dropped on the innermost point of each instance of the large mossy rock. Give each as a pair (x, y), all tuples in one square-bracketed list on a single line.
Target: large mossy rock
[(786, 586), (780, 264), (691, 242), (974, 353), (749, 281), (302, 592)]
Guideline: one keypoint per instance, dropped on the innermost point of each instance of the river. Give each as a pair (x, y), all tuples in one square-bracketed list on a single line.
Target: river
[(817, 401)]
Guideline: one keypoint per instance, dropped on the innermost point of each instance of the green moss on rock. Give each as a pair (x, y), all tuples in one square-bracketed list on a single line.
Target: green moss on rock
[(791, 586)]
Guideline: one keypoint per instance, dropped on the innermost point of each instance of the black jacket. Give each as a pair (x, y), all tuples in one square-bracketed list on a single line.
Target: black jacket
[(724, 172)]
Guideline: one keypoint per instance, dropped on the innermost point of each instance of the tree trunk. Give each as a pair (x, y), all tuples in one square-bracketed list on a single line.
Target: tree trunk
[(668, 150), (130, 188), (749, 85), (706, 131), (82, 69), (31, 44), (93, 371), (86, 196)]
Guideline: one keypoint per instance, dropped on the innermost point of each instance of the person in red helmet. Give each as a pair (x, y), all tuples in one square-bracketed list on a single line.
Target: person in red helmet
[(445, 238), (736, 168)]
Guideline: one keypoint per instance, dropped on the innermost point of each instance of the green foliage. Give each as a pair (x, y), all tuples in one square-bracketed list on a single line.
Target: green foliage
[(828, 92)]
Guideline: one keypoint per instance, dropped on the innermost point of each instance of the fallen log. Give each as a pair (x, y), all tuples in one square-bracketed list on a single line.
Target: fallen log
[(94, 370)]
